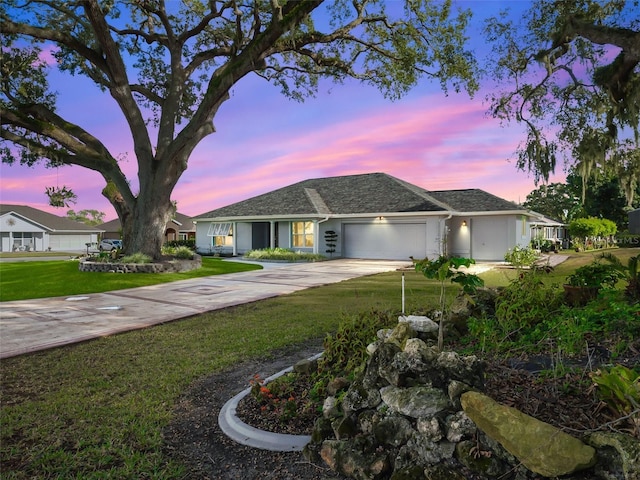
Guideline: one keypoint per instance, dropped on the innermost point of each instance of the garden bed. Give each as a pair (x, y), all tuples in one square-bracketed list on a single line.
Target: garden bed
[(168, 265)]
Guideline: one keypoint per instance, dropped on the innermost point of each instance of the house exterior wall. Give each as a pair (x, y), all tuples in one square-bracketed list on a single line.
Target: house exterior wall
[(459, 237), (485, 238), (12, 231), (634, 221), (493, 235)]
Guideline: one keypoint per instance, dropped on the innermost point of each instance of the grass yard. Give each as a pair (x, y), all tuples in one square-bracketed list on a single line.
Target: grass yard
[(97, 409), (54, 278)]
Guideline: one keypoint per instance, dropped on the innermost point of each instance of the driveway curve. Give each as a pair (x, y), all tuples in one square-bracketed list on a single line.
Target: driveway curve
[(38, 324)]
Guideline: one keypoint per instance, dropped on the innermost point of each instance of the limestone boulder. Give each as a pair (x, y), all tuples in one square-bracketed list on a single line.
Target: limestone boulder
[(415, 402), (619, 454), (542, 448), (420, 324), (355, 460)]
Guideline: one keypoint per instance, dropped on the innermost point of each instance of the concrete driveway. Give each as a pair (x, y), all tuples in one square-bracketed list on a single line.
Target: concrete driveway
[(32, 325)]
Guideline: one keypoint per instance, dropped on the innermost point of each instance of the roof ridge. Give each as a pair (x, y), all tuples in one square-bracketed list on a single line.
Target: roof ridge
[(420, 192), (316, 200)]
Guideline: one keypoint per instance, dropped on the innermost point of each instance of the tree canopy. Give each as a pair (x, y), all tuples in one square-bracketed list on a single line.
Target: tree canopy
[(169, 66), (569, 72), (88, 217)]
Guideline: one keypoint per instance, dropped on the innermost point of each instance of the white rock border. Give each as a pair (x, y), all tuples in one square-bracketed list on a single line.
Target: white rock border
[(244, 434)]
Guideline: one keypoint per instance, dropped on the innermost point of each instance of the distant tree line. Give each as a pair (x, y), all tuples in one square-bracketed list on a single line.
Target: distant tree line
[(603, 198)]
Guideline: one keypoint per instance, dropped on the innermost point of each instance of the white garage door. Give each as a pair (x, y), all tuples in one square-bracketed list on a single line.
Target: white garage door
[(385, 241), (489, 238)]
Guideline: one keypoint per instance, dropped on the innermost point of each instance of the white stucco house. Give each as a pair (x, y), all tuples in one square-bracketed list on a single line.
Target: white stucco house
[(375, 216), (24, 228)]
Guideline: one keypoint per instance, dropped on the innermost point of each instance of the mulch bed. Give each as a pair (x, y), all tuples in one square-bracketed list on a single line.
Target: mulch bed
[(195, 438)]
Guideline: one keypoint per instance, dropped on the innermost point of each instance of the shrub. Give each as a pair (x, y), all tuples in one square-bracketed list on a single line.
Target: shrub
[(182, 252), (345, 351), (282, 254), (136, 258), (595, 274), (521, 256), (191, 244)]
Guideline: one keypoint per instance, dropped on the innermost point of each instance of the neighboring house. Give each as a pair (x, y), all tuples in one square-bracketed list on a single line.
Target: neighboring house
[(634, 221), (24, 228), (375, 215), (545, 229), (180, 227)]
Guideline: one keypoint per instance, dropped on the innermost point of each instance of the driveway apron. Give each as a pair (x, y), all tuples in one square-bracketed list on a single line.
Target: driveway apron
[(38, 324)]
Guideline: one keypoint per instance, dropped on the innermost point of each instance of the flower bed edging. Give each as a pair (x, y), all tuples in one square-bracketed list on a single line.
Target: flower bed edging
[(244, 434)]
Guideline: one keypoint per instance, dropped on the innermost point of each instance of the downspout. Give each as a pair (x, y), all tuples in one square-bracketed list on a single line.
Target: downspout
[(315, 245)]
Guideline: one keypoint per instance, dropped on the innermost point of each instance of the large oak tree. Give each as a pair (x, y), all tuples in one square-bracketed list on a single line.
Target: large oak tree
[(169, 66), (569, 71)]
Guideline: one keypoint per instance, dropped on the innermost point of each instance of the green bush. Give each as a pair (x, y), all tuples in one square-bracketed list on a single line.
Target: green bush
[(191, 243), (136, 258), (182, 252), (345, 351), (283, 254), (521, 256)]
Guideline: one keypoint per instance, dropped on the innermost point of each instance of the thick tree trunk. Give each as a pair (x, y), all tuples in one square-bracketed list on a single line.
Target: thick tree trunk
[(143, 232)]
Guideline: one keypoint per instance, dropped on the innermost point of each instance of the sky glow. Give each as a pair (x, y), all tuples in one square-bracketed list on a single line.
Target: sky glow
[(264, 141)]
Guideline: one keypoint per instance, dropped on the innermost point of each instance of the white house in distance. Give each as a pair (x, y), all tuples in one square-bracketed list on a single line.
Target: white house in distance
[(375, 216), (24, 228)]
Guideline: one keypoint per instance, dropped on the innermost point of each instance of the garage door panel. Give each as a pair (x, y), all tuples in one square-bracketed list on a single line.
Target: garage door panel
[(385, 241)]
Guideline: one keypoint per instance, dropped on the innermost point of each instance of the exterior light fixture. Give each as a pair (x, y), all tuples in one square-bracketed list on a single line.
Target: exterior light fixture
[(464, 223)]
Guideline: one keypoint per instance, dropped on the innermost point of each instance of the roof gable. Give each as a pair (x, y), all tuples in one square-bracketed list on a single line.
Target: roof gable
[(47, 220)]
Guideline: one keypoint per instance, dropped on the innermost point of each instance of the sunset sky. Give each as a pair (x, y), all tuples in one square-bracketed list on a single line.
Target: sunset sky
[(264, 141)]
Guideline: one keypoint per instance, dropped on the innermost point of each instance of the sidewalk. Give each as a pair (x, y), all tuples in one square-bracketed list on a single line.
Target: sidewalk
[(38, 324)]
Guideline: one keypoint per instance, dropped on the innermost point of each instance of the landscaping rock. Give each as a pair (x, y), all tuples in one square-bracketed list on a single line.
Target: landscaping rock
[(419, 323), (617, 451), (415, 402), (541, 447)]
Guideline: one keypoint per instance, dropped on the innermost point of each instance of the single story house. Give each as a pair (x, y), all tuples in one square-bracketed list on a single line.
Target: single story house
[(24, 228), (180, 227), (549, 231), (375, 216), (634, 221)]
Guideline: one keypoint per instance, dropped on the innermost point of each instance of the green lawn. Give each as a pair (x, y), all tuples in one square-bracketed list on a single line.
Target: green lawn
[(97, 409), (54, 278)]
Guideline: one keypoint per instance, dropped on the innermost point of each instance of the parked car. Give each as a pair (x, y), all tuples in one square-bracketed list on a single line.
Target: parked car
[(110, 244)]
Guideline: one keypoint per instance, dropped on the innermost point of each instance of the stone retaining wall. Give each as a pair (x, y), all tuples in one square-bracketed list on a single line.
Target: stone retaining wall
[(172, 266)]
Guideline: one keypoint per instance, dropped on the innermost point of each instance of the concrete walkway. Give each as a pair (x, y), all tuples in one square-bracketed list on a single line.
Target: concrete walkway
[(32, 325)]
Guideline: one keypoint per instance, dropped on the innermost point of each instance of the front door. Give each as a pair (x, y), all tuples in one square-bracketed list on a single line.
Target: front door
[(260, 235)]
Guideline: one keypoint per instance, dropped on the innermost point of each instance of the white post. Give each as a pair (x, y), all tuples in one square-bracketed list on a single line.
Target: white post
[(403, 293)]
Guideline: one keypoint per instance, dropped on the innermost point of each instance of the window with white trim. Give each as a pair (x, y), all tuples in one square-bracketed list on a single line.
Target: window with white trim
[(302, 234), (221, 234)]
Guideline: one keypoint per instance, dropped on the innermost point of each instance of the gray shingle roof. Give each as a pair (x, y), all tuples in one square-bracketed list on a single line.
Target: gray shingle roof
[(184, 224), (474, 200), (352, 194), (51, 222), (372, 193)]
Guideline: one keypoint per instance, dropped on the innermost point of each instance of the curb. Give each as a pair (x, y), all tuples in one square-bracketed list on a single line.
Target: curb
[(244, 434)]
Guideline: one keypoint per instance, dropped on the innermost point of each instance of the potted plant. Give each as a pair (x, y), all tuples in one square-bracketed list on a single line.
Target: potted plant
[(630, 272), (584, 284)]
